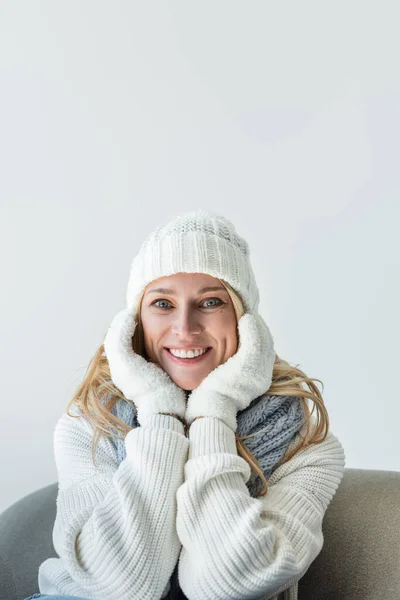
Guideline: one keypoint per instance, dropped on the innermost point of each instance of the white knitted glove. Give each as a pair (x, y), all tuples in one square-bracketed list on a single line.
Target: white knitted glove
[(243, 377), (146, 384)]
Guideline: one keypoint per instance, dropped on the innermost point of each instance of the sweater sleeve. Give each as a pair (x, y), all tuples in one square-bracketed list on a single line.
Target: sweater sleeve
[(241, 547), (115, 527)]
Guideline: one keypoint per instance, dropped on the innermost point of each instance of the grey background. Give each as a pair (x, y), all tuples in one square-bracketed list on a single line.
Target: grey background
[(116, 116)]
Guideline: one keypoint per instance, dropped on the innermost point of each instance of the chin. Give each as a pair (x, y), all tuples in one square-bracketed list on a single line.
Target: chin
[(187, 386)]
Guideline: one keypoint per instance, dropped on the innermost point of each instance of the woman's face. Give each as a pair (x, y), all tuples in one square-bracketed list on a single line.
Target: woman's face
[(183, 315)]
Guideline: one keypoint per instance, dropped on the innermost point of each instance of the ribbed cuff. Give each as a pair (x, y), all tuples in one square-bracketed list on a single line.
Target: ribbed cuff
[(159, 421), (210, 435)]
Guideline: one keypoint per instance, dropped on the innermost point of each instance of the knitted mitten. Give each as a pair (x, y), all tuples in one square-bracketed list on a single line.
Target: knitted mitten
[(143, 382), (244, 376)]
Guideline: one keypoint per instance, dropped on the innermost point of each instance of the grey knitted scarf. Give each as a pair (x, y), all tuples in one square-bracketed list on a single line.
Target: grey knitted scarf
[(280, 418)]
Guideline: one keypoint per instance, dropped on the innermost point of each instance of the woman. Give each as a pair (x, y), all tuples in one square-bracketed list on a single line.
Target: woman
[(179, 475)]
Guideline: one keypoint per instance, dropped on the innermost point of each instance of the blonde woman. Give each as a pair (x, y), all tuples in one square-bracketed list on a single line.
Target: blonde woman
[(189, 462)]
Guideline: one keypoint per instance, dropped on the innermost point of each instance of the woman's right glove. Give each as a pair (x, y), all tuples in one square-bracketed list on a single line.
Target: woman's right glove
[(146, 384)]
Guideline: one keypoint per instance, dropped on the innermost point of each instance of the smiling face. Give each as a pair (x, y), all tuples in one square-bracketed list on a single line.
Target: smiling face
[(188, 316)]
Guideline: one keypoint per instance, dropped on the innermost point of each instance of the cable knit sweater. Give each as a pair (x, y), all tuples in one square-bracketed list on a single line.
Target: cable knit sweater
[(120, 530)]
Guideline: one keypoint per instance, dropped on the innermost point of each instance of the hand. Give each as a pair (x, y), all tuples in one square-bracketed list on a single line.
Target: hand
[(244, 376), (143, 382)]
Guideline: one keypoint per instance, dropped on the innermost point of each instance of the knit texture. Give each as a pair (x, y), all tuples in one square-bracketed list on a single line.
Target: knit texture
[(237, 547), (195, 242), (115, 528), (184, 503), (276, 419)]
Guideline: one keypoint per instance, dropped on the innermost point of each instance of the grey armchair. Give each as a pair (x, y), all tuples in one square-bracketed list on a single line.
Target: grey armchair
[(360, 559)]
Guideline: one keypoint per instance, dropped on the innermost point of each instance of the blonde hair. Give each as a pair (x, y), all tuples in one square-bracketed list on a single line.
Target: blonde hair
[(97, 395)]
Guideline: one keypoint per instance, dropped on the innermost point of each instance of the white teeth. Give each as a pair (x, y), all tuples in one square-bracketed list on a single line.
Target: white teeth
[(188, 353)]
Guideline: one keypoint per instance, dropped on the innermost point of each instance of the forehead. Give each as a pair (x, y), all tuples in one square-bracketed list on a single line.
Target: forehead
[(183, 282)]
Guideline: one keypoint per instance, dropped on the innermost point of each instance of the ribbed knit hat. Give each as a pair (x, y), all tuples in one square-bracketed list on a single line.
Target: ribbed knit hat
[(195, 242)]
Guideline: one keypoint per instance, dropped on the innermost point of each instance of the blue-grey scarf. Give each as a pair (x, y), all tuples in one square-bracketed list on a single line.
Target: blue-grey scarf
[(280, 417)]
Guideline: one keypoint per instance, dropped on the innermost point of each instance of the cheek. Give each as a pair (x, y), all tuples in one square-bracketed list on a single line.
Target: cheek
[(150, 338), (226, 331), (233, 342), (152, 331)]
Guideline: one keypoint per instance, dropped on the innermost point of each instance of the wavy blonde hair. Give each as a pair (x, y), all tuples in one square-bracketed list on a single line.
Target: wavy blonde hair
[(287, 380)]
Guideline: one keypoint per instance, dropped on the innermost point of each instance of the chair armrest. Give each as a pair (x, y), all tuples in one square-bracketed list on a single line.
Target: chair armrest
[(360, 559)]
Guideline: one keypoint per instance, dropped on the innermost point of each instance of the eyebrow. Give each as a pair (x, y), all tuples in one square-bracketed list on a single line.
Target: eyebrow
[(172, 292)]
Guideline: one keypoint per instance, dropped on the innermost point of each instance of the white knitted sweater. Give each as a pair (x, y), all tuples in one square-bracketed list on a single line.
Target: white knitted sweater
[(120, 530)]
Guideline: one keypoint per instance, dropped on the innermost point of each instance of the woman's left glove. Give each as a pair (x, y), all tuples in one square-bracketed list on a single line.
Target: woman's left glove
[(233, 385)]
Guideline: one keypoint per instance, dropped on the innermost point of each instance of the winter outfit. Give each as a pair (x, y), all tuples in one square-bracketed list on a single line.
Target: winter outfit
[(172, 510)]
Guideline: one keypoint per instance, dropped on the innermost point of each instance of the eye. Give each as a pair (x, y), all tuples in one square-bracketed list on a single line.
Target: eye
[(155, 302), (219, 300), (207, 300)]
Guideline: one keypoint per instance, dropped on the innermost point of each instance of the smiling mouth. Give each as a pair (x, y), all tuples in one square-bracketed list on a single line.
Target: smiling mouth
[(188, 361)]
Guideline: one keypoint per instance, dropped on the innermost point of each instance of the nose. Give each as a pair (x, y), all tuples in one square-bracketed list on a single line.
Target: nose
[(186, 324)]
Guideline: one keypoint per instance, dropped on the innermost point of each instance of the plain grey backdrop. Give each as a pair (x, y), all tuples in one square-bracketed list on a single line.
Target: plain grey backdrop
[(117, 116)]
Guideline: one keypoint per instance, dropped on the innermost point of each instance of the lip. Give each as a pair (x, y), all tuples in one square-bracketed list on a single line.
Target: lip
[(187, 361), (186, 347)]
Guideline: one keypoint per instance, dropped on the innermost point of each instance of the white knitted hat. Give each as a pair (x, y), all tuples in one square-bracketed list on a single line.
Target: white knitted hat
[(195, 242)]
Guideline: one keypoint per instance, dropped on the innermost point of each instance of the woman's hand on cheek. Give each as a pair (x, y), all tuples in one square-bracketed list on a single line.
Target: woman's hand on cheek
[(143, 382), (244, 376)]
